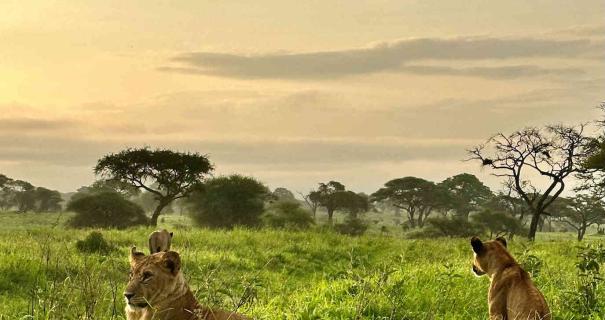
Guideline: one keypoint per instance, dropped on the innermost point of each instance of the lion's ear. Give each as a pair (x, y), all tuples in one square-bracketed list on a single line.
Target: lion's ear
[(135, 256), (502, 241), (171, 261), (477, 245)]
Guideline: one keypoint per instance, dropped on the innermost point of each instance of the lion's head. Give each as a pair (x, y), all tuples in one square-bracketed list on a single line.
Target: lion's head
[(152, 278), (489, 255)]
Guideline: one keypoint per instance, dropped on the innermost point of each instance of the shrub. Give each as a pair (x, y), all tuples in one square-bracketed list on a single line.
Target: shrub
[(498, 223), (287, 215), (225, 202), (446, 227), (94, 243), (106, 210), (352, 227)]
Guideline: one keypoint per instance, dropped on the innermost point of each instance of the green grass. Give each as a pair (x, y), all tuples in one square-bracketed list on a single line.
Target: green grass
[(281, 275)]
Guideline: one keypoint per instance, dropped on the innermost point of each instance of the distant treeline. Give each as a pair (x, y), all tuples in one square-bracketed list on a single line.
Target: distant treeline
[(22, 196)]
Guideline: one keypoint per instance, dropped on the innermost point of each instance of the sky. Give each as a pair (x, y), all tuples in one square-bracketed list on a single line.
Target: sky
[(291, 92)]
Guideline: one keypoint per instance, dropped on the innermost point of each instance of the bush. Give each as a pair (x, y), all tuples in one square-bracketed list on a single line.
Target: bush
[(94, 243), (225, 202), (288, 215), (352, 227), (106, 210), (498, 223), (446, 227)]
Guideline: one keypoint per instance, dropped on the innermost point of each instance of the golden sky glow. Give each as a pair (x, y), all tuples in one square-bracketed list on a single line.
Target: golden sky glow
[(293, 92)]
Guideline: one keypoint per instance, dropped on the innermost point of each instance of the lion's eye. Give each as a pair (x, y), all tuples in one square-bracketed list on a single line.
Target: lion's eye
[(147, 275)]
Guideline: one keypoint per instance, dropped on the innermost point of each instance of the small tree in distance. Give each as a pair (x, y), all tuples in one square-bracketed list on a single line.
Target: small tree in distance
[(168, 175), (581, 212), (333, 196)]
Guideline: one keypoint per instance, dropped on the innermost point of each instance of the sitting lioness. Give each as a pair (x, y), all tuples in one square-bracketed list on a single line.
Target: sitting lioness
[(512, 295), (157, 290), (159, 241)]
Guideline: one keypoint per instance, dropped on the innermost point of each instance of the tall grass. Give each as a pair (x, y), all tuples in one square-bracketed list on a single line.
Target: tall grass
[(268, 274)]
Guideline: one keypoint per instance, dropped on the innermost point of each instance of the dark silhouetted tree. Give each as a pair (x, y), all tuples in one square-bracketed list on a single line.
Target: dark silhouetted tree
[(554, 153), (416, 196), (47, 200), (168, 175), (333, 196), (25, 195), (467, 194), (580, 212), (105, 210), (226, 202)]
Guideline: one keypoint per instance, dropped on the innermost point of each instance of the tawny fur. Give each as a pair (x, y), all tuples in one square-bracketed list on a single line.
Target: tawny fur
[(157, 290), (159, 241), (512, 295)]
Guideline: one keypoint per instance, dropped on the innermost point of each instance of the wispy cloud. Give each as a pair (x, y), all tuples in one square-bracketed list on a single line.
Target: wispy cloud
[(386, 57)]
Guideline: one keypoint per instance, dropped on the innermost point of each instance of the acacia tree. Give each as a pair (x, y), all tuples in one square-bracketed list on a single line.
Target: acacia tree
[(554, 153), (581, 212), (416, 196), (166, 174), (312, 201), (333, 196), (467, 193)]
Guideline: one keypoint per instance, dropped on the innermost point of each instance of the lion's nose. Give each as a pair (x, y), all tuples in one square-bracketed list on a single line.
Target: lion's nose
[(128, 295)]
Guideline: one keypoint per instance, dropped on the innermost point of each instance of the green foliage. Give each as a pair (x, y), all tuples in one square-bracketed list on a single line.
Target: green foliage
[(446, 227), (25, 197), (580, 212), (466, 194), (497, 223), (333, 196), (287, 215), (274, 274), (418, 197), (353, 226), (167, 174), (585, 299), (94, 243), (106, 210), (226, 202)]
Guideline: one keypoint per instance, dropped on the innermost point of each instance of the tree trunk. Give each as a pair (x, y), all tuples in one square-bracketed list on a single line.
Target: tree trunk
[(411, 220), (533, 226), (581, 232), (330, 215), (157, 212)]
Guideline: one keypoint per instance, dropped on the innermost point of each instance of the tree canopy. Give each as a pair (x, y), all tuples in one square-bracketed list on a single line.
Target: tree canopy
[(416, 196), (226, 202), (168, 175), (105, 210), (466, 194), (333, 196)]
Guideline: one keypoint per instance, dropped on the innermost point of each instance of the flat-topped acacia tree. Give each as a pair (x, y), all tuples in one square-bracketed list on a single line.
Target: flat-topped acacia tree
[(168, 175)]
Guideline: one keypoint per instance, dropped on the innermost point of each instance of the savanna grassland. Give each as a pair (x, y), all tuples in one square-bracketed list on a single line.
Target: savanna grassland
[(271, 274)]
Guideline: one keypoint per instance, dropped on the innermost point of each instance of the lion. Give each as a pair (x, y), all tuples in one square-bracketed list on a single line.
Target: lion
[(159, 241), (512, 295), (157, 290)]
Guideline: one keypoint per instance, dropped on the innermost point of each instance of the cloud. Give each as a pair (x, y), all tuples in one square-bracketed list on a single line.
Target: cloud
[(382, 57), (27, 125), (505, 72), (584, 31)]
